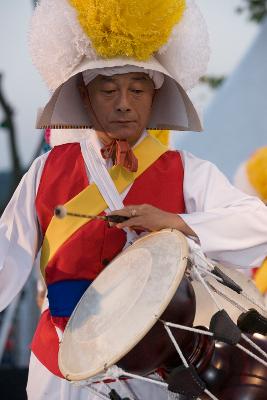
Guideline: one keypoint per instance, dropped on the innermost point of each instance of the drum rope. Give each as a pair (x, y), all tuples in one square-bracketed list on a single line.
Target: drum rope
[(187, 328), (238, 305), (177, 347), (115, 372), (251, 354), (142, 378), (254, 345), (235, 303), (263, 309), (223, 295), (208, 263), (111, 373), (202, 280), (238, 345), (208, 271), (227, 298), (210, 395), (208, 333), (170, 324), (179, 351)]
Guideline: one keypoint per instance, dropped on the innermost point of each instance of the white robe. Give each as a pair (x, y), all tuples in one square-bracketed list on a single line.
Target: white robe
[(231, 227)]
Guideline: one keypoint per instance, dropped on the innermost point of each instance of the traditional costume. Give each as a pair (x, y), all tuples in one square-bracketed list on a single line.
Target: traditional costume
[(74, 40)]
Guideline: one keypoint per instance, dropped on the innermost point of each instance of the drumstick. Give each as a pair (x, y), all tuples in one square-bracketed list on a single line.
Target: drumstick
[(61, 212)]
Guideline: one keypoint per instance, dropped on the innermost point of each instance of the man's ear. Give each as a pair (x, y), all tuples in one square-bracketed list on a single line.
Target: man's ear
[(153, 97), (82, 90), (85, 97)]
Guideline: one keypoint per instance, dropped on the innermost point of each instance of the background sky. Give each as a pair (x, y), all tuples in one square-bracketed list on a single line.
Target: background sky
[(230, 37)]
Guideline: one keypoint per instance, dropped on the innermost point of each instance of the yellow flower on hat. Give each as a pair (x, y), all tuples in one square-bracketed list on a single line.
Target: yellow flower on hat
[(132, 28), (64, 34), (257, 172)]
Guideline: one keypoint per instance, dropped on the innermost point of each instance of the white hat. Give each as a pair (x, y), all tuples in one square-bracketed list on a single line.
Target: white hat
[(61, 49)]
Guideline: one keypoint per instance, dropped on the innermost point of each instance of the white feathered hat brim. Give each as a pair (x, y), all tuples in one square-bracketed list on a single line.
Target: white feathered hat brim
[(172, 109)]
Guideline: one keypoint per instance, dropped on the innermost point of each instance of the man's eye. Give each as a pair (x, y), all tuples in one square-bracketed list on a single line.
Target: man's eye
[(137, 91), (108, 91)]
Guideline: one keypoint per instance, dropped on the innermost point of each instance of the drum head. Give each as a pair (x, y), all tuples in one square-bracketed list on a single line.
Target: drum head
[(206, 307), (122, 304)]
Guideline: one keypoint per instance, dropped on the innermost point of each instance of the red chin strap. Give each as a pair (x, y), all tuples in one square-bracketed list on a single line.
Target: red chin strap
[(121, 153)]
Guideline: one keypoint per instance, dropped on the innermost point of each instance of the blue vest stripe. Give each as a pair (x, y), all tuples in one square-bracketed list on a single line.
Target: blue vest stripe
[(63, 296)]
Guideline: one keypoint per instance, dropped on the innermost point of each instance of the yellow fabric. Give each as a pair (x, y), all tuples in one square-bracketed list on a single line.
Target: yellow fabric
[(261, 277), (90, 200), (131, 28), (162, 135), (257, 172)]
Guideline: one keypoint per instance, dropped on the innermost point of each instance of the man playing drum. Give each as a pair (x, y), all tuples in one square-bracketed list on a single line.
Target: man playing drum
[(117, 68)]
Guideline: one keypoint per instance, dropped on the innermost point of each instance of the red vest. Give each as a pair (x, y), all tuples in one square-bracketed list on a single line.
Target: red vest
[(87, 251)]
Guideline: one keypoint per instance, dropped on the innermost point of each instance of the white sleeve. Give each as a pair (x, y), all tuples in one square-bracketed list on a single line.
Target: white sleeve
[(19, 235), (231, 226)]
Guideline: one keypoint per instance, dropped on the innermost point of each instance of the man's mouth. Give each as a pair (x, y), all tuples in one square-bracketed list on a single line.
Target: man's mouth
[(122, 122)]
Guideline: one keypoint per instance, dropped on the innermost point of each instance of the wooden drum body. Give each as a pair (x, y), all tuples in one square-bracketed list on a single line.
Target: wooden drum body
[(122, 305), (119, 321)]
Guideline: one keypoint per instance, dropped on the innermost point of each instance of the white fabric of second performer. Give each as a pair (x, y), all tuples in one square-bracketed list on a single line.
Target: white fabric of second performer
[(231, 228)]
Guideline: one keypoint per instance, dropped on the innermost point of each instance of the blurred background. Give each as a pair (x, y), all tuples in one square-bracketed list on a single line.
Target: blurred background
[(231, 97)]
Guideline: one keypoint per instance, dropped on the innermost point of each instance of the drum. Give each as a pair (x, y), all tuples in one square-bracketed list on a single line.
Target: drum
[(122, 320), (122, 305), (229, 299)]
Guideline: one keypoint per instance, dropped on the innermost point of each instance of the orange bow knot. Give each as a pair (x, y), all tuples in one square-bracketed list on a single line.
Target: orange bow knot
[(121, 153)]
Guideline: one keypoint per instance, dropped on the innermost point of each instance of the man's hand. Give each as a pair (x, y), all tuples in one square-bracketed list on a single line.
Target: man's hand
[(149, 218)]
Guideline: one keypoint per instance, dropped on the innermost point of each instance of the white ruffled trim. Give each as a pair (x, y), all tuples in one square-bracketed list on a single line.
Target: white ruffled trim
[(187, 52), (57, 41), (58, 44)]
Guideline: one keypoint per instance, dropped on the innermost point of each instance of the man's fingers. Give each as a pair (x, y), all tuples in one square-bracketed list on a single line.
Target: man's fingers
[(131, 223), (123, 212), (128, 211)]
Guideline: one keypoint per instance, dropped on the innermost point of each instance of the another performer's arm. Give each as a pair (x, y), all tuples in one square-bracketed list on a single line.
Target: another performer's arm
[(231, 226), (19, 235)]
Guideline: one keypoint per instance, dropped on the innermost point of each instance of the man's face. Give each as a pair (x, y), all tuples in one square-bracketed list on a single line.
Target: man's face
[(120, 105)]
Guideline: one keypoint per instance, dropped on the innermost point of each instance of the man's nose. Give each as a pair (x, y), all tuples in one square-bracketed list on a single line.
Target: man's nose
[(123, 102)]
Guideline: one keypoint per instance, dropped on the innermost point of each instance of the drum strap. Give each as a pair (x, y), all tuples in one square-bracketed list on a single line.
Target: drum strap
[(90, 201), (224, 329), (252, 322), (226, 280), (186, 381)]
